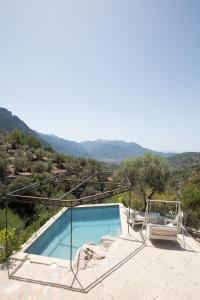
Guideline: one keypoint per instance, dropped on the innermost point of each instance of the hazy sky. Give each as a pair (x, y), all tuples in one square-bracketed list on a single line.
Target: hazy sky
[(109, 69)]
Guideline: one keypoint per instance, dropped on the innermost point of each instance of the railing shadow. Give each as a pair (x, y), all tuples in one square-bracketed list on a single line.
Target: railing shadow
[(75, 272), (113, 269)]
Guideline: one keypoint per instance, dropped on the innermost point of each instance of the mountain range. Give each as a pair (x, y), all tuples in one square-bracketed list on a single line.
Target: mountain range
[(8, 122), (102, 150)]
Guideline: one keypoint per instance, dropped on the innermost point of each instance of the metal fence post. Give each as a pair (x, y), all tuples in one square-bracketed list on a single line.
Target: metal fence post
[(71, 236), (129, 210), (7, 262)]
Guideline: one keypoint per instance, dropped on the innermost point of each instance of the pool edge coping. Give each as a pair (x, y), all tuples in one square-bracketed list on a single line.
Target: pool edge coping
[(21, 255)]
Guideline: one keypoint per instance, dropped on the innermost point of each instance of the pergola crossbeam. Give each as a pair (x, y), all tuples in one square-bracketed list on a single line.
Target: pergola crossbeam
[(67, 202)]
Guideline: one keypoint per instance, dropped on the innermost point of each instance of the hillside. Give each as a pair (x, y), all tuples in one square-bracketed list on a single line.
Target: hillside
[(115, 151), (8, 122), (22, 154), (185, 160), (65, 146)]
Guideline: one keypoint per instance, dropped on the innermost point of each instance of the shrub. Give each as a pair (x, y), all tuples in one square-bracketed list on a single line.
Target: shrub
[(39, 153), (3, 167), (14, 220), (12, 245), (59, 158), (21, 164), (49, 166), (38, 167), (32, 141), (191, 195), (3, 155)]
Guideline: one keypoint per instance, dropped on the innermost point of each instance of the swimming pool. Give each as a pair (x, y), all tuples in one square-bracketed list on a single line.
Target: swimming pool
[(90, 224)]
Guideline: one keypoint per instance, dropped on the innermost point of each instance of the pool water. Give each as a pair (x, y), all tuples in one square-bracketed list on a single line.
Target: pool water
[(90, 224)]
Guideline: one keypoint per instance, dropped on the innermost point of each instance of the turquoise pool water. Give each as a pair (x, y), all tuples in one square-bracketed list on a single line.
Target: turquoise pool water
[(90, 224)]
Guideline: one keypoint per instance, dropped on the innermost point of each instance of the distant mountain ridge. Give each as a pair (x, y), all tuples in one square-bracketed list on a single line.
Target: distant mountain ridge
[(8, 122), (65, 146), (185, 160), (102, 150), (106, 150)]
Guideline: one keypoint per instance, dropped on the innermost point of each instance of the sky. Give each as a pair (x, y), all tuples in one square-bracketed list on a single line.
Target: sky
[(104, 69)]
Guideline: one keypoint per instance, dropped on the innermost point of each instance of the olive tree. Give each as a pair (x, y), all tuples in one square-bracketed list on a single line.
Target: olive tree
[(3, 168), (21, 164), (38, 167), (190, 197), (148, 174), (15, 138)]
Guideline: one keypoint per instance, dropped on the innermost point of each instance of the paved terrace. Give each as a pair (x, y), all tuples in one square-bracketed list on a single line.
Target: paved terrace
[(131, 270)]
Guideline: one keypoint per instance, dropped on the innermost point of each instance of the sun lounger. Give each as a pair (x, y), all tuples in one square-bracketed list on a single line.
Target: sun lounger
[(163, 232), (135, 218)]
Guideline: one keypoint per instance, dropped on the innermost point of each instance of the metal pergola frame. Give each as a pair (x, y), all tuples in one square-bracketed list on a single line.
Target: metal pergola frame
[(16, 196)]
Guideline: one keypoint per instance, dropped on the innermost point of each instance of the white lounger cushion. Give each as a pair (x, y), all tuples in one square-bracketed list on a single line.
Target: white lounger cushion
[(163, 231), (139, 218)]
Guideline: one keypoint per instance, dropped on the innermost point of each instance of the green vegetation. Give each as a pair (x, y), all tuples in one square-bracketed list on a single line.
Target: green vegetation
[(15, 224), (12, 244), (148, 174), (154, 178), (3, 167), (191, 199)]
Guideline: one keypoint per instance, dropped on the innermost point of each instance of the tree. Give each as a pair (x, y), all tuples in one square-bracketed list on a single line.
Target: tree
[(191, 197), (32, 141), (16, 138), (49, 166), (148, 174), (59, 158), (24, 210), (3, 191), (3, 168), (38, 167), (21, 163), (39, 152)]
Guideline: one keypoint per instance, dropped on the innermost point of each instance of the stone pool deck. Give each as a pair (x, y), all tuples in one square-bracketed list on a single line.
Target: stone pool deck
[(131, 270)]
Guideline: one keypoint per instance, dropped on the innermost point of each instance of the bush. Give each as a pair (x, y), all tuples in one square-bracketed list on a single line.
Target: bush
[(32, 141), (191, 195), (3, 191), (3, 167), (14, 220), (16, 138), (39, 153), (22, 209), (38, 167), (3, 154), (49, 166), (59, 158), (12, 243), (21, 164), (29, 155)]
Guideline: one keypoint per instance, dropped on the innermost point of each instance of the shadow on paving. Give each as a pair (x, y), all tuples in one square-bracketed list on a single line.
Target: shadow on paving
[(22, 272), (172, 245)]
